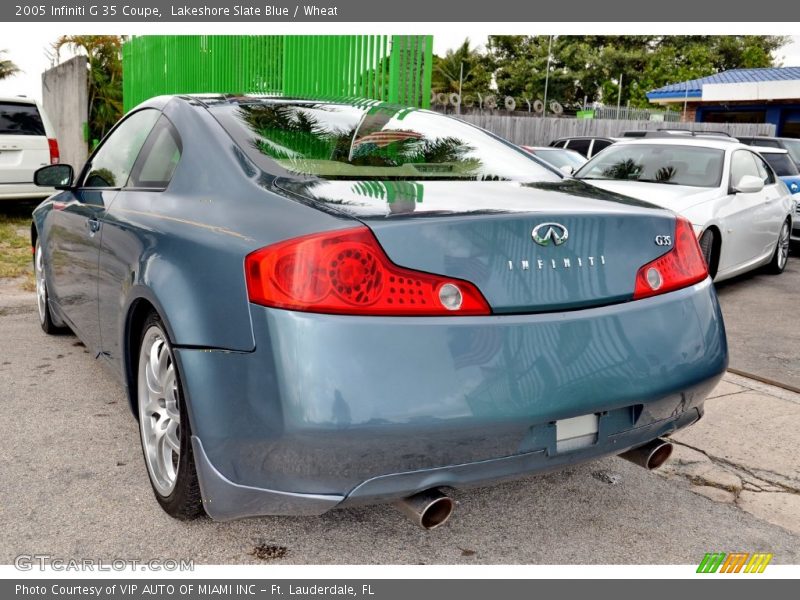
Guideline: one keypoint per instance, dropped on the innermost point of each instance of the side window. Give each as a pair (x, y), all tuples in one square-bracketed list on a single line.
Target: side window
[(600, 145), (111, 164), (158, 159), (764, 171), (559, 143), (581, 146), (742, 164)]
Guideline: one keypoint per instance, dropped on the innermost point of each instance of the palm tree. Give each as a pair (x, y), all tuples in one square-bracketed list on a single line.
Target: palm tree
[(447, 69), (7, 67)]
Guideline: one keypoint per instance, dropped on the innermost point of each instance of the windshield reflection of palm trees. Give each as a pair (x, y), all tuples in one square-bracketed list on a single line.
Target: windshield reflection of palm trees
[(296, 134), (401, 196), (625, 169), (288, 131), (628, 169)]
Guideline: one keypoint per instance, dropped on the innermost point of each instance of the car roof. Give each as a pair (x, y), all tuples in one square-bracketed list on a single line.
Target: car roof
[(18, 99), (768, 150), (549, 149), (586, 137), (701, 141)]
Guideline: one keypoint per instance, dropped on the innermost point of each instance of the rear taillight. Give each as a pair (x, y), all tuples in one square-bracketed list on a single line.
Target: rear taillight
[(681, 267), (54, 154), (347, 272)]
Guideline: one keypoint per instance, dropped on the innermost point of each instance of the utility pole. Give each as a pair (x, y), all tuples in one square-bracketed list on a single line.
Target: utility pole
[(685, 101), (547, 75), (619, 95), (460, 84)]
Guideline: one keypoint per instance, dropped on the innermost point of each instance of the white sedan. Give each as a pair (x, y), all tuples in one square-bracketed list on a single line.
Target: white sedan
[(741, 211)]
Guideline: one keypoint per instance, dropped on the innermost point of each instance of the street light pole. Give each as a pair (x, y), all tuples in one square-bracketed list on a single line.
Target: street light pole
[(547, 75)]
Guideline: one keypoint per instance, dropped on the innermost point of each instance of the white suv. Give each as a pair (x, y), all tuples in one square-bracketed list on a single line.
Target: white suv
[(27, 142)]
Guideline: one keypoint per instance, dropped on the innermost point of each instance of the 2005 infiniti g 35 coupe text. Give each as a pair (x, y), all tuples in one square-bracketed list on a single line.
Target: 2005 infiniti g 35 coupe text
[(315, 305)]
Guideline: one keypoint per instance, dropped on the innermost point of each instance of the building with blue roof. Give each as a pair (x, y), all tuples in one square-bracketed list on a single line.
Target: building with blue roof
[(770, 95)]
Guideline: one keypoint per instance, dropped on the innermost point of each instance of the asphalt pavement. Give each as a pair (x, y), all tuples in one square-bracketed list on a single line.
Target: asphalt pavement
[(73, 485), (762, 318)]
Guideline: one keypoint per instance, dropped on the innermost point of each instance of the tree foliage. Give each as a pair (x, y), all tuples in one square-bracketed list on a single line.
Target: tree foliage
[(7, 67), (105, 77), (591, 66), (477, 75)]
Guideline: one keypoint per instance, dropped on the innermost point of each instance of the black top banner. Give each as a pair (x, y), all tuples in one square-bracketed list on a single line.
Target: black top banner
[(198, 11)]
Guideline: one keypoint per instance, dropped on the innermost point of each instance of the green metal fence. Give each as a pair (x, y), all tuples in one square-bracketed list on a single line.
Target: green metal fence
[(394, 69)]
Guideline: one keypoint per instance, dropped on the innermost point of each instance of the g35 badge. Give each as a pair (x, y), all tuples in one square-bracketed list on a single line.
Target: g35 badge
[(663, 240)]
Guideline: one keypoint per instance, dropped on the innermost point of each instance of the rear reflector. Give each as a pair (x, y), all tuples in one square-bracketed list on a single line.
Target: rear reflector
[(347, 272), (681, 267), (55, 157)]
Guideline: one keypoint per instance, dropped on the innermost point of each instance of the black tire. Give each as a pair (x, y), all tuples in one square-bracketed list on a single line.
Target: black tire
[(184, 500), (707, 242), (780, 257), (46, 320)]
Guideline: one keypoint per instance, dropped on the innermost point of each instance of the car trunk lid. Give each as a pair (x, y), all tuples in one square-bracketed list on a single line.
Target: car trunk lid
[(528, 247)]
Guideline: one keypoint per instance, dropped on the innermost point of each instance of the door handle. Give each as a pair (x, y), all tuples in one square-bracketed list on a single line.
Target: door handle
[(93, 225)]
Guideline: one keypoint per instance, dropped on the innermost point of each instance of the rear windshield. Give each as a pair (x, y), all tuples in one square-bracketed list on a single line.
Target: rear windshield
[(334, 141), (781, 163), (19, 118), (561, 158), (793, 146), (668, 164)]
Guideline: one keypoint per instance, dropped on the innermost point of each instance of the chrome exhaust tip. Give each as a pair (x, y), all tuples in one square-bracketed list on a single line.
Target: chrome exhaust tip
[(428, 509), (650, 456)]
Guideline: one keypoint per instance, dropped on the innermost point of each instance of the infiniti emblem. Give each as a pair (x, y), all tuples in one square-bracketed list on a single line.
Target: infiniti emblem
[(546, 232)]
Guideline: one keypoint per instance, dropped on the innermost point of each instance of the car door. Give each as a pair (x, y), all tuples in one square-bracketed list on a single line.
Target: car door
[(742, 215), (772, 213), (122, 244), (76, 225)]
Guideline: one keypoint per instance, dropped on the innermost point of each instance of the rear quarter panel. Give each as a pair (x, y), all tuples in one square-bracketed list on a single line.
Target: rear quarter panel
[(183, 249)]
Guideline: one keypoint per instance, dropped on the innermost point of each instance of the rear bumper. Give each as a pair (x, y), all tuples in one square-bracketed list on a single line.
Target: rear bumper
[(23, 191), (333, 410)]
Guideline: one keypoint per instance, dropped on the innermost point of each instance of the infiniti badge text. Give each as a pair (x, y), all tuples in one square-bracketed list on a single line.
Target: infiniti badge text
[(561, 263)]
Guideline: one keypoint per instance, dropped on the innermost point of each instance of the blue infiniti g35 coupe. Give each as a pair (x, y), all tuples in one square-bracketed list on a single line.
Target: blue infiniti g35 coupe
[(318, 304)]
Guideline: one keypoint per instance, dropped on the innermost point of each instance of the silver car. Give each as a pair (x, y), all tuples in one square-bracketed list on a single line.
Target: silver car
[(741, 211)]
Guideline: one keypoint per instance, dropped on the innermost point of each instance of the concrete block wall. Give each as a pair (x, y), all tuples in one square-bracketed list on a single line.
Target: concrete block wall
[(65, 90)]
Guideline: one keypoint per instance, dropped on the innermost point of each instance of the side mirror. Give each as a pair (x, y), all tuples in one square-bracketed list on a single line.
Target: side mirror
[(55, 176), (567, 169), (749, 184)]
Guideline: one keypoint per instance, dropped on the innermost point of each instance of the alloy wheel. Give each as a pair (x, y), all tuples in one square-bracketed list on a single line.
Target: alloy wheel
[(41, 288), (783, 246), (159, 410)]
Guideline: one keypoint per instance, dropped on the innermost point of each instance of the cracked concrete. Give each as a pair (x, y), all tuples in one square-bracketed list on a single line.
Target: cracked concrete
[(745, 451)]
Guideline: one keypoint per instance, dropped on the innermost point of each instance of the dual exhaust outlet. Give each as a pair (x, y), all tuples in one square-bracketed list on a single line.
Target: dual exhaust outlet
[(432, 508)]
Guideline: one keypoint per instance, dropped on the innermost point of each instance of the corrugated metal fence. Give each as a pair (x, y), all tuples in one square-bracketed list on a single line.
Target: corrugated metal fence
[(532, 131), (394, 69)]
